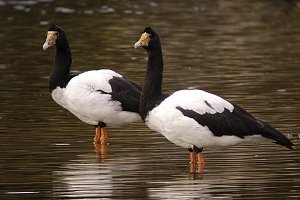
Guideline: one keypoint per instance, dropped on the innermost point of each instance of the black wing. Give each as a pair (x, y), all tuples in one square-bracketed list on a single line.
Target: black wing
[(127, 92), (238, 122)]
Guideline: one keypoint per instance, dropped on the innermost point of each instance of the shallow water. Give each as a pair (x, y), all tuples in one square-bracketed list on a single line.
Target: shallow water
[(245, 51)]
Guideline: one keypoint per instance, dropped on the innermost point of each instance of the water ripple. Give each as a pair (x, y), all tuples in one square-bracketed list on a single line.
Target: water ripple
[(246, 52)]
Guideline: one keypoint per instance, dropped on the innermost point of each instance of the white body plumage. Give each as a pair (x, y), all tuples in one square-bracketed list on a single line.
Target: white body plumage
[(83, 98), (185, 131)]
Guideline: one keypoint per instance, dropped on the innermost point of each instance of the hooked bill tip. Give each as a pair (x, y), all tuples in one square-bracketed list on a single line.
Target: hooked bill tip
[(46, 46), (137, 44)]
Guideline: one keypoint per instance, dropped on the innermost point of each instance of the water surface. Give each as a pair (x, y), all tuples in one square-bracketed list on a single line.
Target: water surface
[(245, 51)]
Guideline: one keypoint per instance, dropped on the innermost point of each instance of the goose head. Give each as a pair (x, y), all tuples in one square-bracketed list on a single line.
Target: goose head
[(149, 40), (55, 37)]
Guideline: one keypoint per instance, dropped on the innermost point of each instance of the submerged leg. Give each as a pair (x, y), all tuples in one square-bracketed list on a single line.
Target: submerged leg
[(200, 159), (101, 135), (201, 163), (97, 135), (101, 152), (100, 142), (104, 136), (192, 160)]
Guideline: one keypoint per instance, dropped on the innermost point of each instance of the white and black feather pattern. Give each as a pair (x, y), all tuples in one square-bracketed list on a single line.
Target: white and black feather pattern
[(98, 97), (196, 117), (90, 97), (198, 100), (126, 92)]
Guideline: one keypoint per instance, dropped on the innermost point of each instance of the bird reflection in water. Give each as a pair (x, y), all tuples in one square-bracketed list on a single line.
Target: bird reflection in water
[(101, 151)]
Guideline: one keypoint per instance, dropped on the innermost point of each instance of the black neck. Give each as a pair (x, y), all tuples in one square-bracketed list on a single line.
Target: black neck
[(61, 70), (152, 89)]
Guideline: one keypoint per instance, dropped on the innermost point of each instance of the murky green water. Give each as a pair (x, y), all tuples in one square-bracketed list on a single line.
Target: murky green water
[(246, 51)]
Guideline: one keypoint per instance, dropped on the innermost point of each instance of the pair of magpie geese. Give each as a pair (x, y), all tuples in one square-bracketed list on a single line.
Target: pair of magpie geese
[(190, 118)]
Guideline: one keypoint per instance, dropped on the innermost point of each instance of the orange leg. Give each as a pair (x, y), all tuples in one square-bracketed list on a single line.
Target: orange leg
[(192, 162), (97, 135), (201, 162), (200, 158), (192, 157), (100, 143), (101, 152), (103, 136)]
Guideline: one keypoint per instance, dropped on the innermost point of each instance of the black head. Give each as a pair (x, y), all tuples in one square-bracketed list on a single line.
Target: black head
[(57, 28), (55, 36), (149, 40)]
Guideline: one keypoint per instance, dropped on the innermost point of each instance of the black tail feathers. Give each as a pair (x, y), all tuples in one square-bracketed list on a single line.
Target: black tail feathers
[(269, 132)]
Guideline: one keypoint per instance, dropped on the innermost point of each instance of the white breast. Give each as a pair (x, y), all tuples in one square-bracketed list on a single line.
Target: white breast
[(58, 97), (83, 98)]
